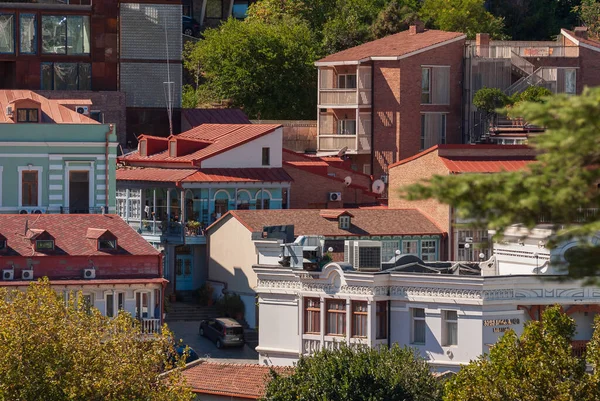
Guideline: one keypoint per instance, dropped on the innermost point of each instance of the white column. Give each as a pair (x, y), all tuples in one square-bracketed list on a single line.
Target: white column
[(182, 202), (323, 317), (348, 320), (356, 130), (301, 326), (168, 204), (288, 197), (127, 205), (370, 325)]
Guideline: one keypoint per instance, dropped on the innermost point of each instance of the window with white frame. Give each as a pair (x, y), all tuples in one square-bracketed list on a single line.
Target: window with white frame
[(336, 317), (435, 85), (346, 127), (428, 250), (29, 187), (88, 302), (409, 247), (360, 316), (449, 327), (347, 81), (433, 129), (570, 81), (115, 301), (418, 326), (344, 222), (312, 315), (381, 316), (388, 250)]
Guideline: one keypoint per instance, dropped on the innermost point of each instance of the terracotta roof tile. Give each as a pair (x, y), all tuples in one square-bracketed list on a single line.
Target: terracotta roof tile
[(52, 110), (591, 42), (484, 166), (334, 213), (365, 222), (229, 379), (197, 117), (100, 281), (153, 174), (69, 232), (397, 45)]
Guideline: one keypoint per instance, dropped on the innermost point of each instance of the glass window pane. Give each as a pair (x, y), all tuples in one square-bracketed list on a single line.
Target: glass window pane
[(54, 34), (419, 312), (110, 305), (85, 77), (28, 39), (65, 76), (7, 33), (47, 76), (419, 335), (78, 34)]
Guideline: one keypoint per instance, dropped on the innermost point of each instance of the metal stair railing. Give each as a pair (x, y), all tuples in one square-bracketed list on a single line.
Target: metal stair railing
[(525, 67), (534, 79)]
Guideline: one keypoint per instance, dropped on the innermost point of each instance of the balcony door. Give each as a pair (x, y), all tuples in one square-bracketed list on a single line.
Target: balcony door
[(184, 268), (79, 191)]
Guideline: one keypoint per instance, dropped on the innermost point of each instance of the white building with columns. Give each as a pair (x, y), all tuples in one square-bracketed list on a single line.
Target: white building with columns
[(450, 312)]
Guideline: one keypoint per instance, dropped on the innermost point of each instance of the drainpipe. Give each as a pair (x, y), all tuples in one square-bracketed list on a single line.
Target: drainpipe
[(111, 127)]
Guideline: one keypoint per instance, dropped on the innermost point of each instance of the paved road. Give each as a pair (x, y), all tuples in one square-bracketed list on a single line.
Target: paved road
[(188, 332)]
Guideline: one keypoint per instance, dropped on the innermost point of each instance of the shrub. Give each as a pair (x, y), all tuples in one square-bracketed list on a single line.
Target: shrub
[(532, 94), (230, 305)]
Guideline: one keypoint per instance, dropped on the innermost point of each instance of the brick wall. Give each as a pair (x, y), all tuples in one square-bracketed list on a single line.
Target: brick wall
[(311, 191), (397, 103), (412, 172), (589, 72), (112, 104)]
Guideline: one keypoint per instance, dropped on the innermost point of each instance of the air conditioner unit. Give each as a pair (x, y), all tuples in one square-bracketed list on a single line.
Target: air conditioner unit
[(8, 274), (32, 210), (27, 274), (335, 196), (363, 255), (89, 273), (85, 110), (9, 111)]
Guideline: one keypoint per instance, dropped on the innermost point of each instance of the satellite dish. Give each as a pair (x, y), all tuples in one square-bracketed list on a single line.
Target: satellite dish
[(348, 181), (378, 186), (342, 151)]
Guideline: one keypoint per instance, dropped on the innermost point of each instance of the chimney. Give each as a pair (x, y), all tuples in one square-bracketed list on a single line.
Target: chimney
[(416, 27), (482, 41), (581, 32)]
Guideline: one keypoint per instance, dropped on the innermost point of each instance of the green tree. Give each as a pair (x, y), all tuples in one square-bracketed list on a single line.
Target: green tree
[(589, 13), (467, 16), (363, 374), (266, 68), (538, 365), (395, 17), (564, 179), (531, 94), (54, 350), (490, 99)]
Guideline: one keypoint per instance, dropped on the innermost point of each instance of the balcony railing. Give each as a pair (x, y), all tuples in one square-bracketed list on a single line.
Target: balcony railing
[(152, 227), (341, 97), (504, 51), (359, 143), (150, 326)]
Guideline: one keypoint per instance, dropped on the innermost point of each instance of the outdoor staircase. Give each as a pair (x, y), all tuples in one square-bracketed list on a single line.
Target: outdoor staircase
[(179, 311)]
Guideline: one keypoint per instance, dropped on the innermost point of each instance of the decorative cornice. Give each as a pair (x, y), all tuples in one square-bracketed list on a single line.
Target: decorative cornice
[(396, 291)]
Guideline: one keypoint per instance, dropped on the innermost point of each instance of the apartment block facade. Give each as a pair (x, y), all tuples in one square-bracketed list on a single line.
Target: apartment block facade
[(119, 54), (387, 100)]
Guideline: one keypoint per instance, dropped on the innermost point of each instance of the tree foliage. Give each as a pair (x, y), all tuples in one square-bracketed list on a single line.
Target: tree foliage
[(490, 99), (363, 374), (54, 351), (538, 365), (564, 179), (467, 16), (395, 17), (531, 94), (265, 68), (589, 13)]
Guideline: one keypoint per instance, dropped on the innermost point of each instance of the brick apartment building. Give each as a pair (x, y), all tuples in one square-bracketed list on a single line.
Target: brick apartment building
[(211, 13), (112, 52), (391, 98)]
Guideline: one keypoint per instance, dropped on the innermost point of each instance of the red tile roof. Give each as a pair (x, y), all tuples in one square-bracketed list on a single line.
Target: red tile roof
[(334, 213), (196, 117), (52, 110), (222, 137), (69, 232), (484, 166), (365, 222), (229, 379), (239, 175), (590, 42), (397, 45), (153, 174)]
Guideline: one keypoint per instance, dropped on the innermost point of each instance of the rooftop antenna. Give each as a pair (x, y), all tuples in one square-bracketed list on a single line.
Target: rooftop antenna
[(169, 86)]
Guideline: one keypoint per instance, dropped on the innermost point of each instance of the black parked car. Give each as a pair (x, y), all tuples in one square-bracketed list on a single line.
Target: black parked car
[(191, 27), (223, 331)]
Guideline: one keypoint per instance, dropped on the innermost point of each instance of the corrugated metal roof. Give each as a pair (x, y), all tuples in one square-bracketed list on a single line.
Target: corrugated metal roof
[(484, 166), (52, 110)]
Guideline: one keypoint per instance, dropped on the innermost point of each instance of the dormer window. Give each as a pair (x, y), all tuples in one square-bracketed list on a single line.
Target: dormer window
[(143, 148), (107, 244), (44, 245), (27, 115), (344, 222), (172, 148)]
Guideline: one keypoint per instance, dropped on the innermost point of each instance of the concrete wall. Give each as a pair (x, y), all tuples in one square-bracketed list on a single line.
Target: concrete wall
[(280, 342), (299, 136), (249, 155)]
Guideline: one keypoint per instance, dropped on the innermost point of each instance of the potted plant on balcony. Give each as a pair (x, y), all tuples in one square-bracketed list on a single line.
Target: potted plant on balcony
[(192, 227), (146, 225)]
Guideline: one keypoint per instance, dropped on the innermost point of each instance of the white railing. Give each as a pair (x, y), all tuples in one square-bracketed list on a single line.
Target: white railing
[(337, 142), (310, 346), (525, 51), (150, 326)]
